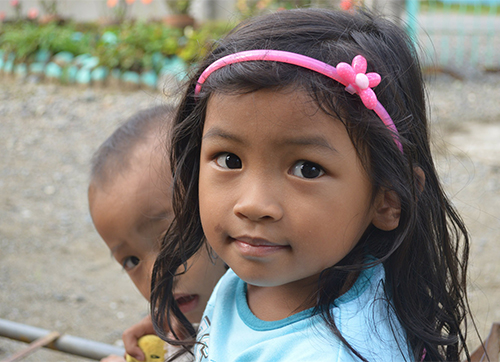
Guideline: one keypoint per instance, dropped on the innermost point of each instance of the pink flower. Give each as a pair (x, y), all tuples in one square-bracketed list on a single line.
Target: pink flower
[(33, 13), (14, 3), (112, 3), (359, 82), (346, 4), (147, 1)]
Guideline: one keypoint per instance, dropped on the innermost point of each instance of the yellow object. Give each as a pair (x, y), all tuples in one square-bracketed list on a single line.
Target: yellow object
[(154, 349)]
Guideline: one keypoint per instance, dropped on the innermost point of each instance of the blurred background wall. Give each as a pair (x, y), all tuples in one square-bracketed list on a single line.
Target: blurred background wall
[(91, 10)]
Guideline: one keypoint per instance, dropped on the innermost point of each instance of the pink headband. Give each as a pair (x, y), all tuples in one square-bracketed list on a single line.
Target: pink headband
[(352, 76)]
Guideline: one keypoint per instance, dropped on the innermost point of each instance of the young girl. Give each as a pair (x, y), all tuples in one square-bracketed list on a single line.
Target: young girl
[(130, 204), (300, 155)]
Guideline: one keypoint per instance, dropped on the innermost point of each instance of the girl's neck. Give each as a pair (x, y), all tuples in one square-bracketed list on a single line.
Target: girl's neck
[(280, 302), (276, 303)]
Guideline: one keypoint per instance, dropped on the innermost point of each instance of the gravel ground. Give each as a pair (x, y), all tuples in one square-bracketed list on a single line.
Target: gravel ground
[(55, 272)]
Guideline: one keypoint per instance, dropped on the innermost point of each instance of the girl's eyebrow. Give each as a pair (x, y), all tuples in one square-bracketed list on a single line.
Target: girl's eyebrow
[(216, 132), (316, 141)]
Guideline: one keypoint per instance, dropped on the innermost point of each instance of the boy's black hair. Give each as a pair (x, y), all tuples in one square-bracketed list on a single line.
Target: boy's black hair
[(425, 258), (114, 154)]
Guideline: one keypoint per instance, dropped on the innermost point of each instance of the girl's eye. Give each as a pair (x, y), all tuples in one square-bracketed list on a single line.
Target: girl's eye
[(307, 169), (228, 160), (130, 262)]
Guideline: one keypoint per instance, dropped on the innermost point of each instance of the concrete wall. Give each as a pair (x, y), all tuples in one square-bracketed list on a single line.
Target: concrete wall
[(89, 10)]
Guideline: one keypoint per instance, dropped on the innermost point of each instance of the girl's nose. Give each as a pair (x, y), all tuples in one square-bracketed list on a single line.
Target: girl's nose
[(259, 203)]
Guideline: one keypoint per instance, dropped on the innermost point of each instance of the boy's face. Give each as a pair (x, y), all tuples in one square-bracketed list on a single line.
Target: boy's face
[(132, 213)]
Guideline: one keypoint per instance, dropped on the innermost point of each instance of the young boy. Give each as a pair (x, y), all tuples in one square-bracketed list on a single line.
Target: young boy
[(130, 204)]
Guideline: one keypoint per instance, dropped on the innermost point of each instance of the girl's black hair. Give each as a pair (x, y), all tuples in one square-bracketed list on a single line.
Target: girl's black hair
[(425, 258)]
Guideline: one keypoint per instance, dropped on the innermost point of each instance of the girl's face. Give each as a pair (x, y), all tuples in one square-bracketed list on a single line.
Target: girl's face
[(282, 192)]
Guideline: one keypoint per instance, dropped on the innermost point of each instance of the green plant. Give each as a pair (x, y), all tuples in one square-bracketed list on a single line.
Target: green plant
[(459, 7), (178, 6), (25, 39), (49, 6), (135, 43), (68, 39), (198, 41), (119, 9), (249, 8), (134, 46), (18, 8), (23, 42)]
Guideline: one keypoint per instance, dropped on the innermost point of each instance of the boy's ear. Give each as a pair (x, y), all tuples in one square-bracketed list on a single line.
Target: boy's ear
[(387, 210)]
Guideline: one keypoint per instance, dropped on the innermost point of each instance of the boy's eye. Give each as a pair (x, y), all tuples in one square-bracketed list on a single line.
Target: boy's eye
[(130, 262), (228, 160), (307, 169)]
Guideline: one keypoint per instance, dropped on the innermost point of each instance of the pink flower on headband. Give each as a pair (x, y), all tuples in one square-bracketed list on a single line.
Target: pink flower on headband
[(359, 82)]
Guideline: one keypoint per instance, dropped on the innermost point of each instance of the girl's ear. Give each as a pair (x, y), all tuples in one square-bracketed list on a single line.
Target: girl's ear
[(387, 210), (420, 176)]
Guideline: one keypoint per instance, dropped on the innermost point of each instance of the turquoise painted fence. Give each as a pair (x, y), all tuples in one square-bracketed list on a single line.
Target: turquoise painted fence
[(456, 34)]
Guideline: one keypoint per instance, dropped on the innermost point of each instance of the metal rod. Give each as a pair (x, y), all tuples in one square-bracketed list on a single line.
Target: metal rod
[(66, 343), (33, 347)]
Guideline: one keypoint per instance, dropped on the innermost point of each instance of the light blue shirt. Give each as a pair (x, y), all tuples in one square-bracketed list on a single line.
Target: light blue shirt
[(230, 332)]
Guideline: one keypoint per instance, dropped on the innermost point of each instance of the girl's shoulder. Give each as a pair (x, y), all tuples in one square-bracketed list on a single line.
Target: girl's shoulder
[(365, 317)]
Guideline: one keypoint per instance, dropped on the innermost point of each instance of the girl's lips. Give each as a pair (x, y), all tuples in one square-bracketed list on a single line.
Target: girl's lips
[(187, 302), (255, 247)]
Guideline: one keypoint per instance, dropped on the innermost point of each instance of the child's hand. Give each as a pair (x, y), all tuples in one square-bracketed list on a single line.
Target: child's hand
[(113, 358), (131, 337), (153, 347)]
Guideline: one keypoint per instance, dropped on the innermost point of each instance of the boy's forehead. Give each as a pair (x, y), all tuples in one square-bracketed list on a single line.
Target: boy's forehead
[(146, 168), (144, 193), (142, 182), (154, 150)]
